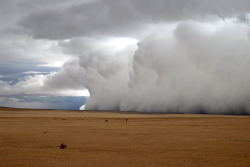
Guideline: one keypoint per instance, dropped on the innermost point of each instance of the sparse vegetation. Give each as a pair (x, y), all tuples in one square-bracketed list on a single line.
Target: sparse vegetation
[(63, 146)]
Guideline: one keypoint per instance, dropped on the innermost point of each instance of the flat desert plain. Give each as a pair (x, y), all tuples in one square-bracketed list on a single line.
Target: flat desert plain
[(32, 138)]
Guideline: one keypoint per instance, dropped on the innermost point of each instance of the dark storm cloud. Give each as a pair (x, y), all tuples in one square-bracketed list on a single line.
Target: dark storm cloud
[(93, 18), (109, 17), (243, 18)]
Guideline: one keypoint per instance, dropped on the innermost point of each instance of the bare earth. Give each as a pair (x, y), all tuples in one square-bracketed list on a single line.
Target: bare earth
[(32, 138)]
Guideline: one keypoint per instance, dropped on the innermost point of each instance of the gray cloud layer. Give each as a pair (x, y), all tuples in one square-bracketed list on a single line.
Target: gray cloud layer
[(119, 18)]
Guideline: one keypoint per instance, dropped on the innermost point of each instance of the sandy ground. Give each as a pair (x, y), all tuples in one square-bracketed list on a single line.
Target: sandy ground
[(32, 138)]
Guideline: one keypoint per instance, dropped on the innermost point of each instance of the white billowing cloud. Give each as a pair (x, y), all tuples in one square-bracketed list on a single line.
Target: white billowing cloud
[(106, 75), (194, 68), (82, 107), (120, 43), (41, 85), (29, 85)]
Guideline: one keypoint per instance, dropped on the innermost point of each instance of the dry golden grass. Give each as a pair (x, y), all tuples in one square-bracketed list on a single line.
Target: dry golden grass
[(33, 138)]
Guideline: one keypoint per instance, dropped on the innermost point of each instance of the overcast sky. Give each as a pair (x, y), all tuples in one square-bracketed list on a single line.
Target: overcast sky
[(144, 55)]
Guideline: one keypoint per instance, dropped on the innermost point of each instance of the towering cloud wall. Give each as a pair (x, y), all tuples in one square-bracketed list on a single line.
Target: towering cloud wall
[(191, 68)]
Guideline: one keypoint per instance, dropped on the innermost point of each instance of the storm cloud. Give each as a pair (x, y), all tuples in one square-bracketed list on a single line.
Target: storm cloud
[(191, 68), (148, 56), (119, 18)]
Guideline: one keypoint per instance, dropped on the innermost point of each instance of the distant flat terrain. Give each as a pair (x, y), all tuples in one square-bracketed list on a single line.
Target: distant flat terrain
[(32, 138)]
